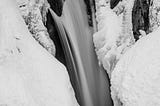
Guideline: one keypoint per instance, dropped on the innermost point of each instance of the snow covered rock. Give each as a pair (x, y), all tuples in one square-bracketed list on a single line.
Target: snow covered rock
[(29, 75), (114, 35), (34, 13), (105, 39), (140, 17), (154, 14), (136, 77)]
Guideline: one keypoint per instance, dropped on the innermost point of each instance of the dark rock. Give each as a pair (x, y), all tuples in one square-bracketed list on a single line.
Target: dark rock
[(57, 6), (113, 3), (140, 17), (89, 3)]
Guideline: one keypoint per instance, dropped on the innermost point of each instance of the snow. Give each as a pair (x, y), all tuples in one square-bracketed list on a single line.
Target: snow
[(135, 79), (105, 39), (134, 70), (114, 36), (29, 75), (34, 13), (154, 14)]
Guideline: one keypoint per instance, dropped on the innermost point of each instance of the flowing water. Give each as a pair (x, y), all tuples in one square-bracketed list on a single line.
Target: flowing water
[(89, 81)]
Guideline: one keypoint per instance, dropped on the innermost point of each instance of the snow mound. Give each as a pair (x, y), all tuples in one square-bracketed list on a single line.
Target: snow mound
[(110, 42), (136, 77), (105, 39), (29, 75)]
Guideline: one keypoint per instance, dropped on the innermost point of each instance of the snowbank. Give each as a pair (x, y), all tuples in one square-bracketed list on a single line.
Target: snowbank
[(29, 75), (135, 80)]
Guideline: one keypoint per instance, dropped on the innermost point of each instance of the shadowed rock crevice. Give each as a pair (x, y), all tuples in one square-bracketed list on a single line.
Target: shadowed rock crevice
[(140, 17), (57, 6), (113, 3)]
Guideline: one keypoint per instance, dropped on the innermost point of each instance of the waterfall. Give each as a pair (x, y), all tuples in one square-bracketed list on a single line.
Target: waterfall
[(89, 81)]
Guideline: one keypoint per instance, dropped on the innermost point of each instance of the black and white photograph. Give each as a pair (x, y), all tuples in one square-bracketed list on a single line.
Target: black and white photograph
[(79, 52)]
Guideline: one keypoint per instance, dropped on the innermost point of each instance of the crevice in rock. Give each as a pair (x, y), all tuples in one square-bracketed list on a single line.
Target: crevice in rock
[(140, 17)]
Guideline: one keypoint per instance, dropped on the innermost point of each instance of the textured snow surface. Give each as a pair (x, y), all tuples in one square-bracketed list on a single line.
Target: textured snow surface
[(34, 13), (105, 39), (114, 36), (29, 75), (136, 78), (154, 14)]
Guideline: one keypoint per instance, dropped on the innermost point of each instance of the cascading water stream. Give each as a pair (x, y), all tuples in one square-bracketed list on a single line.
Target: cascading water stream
[(68, 52), (89, 81)]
